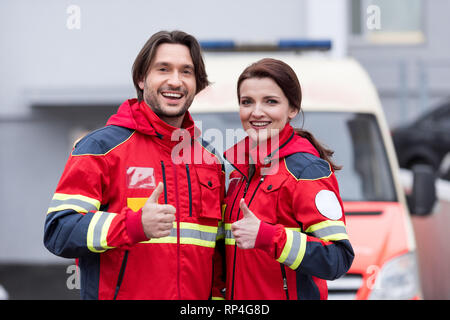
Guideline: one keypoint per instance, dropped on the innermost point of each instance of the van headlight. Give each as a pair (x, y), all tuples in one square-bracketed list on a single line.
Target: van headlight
[(398, 279)]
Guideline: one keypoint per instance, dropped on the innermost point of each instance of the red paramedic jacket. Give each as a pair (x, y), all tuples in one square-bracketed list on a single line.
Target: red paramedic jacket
[(95, 213), (302, 239)]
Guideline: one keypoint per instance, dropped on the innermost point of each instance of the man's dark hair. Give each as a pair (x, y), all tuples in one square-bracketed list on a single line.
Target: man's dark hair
[(148, 51)]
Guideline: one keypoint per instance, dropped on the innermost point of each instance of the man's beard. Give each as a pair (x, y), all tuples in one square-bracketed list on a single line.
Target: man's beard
[(151, 98)]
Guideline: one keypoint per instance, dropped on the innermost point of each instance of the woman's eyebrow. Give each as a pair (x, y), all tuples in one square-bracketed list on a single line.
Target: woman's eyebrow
[(271, 96)]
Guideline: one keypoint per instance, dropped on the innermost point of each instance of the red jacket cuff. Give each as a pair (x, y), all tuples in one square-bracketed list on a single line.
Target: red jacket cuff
[(264, 239), (134, 226)]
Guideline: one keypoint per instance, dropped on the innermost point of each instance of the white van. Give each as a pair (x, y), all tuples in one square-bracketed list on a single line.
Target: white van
[(342, 109)]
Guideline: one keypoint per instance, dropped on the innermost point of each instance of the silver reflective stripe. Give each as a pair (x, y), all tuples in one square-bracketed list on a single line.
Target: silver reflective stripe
[(220, 231), (196, 234), (173, 232), (295, 248), (97, 238), (328, 231), (229, 234), (190, 233), (80, 203)]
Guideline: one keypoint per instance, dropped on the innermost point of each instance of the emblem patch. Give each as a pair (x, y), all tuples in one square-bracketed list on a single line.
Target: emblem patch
[(140, 178), (328, 205)]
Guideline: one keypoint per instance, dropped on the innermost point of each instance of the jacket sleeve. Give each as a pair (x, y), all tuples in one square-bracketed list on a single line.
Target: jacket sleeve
[(321, 247), (77, 222)]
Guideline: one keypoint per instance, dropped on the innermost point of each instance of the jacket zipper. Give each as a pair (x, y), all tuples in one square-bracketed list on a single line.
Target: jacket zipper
[(190, 189), (125, 256), (234, 201), (247, 183), (237, 218), (121, 273), (163, 169), (178, 231), (285, 287)]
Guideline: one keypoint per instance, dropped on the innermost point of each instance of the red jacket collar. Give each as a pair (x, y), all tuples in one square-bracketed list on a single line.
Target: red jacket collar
[(244, 153), (140, 117)]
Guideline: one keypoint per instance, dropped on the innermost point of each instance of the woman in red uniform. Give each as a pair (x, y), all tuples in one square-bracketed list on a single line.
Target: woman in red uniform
[(285, 231)]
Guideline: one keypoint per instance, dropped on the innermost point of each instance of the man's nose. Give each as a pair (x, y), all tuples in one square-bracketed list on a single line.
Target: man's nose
[(174, 80)]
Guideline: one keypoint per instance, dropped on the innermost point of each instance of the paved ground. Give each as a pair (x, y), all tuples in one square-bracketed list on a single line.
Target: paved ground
[(37, 282)]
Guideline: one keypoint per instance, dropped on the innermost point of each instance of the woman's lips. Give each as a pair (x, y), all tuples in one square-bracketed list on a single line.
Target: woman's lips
[(260, 124)]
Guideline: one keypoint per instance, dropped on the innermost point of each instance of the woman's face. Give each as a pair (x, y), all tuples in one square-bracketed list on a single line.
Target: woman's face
[(263, 108)]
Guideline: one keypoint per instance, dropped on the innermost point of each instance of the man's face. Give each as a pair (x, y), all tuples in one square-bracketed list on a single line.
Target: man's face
[(169, 86)]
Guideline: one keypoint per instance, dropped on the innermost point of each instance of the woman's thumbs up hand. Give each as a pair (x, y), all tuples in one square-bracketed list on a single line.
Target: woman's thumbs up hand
[(245, 230)]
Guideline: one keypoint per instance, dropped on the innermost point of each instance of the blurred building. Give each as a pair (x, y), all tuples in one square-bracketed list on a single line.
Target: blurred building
[(406, 52), (66, 66)]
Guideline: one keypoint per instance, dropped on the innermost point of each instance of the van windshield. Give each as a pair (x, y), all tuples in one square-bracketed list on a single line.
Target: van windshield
[(355, 139)]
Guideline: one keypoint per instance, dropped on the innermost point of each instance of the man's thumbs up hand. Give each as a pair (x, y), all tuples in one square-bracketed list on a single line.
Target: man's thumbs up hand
[(156, 193), (157, 219), (246, 229)]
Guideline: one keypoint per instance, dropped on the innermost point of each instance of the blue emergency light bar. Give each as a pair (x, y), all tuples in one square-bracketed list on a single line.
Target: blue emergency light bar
[(281, 45)]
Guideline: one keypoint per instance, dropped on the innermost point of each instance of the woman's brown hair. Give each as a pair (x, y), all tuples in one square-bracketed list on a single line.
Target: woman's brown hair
[(287, 80), (148, 51)]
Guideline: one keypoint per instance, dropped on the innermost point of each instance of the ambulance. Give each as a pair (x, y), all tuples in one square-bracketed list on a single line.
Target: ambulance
[(342, 109)]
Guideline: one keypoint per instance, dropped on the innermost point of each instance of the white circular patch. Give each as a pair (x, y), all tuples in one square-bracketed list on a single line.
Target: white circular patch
[(328, 205)]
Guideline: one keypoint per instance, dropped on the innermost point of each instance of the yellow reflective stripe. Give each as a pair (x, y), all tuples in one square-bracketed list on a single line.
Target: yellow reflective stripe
[(105, 230), (63, 196), (324, 224), (67, 207), (294, 249), (220, 231), (217, 298), (183, 240), (287, 247), (197, 242), (195, 226), (301, 253), (98, 231), (229, 239), (190, 233), (335, 237), (90, 233), (79, 203), (329, 230)]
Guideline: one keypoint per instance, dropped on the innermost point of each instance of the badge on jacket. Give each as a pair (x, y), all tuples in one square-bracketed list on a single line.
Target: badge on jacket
[(140, 178)]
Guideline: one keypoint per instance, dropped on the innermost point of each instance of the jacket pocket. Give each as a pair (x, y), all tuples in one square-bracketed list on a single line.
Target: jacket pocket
[(210, 189), (270, 194)]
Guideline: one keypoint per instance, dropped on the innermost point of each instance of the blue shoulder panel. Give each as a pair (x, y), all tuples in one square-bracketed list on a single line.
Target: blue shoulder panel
[(208, 146), (304, 165), (102, 140)]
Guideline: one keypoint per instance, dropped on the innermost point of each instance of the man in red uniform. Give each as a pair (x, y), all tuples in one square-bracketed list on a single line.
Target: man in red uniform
[(140, 218)]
